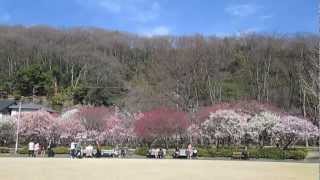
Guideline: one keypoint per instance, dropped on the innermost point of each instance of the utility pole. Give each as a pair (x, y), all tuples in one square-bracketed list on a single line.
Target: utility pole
[(18, 127)]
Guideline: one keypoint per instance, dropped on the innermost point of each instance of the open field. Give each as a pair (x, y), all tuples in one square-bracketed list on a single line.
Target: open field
[(142, 169)]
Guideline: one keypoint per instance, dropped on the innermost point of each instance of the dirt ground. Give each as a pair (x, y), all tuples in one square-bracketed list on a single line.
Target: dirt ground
[(143, 169)]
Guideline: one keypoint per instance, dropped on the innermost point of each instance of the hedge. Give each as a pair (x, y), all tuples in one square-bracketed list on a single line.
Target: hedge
[(265, 153), (23, 150), (61, 150), (57, 150), (142, 151), (4, 150)]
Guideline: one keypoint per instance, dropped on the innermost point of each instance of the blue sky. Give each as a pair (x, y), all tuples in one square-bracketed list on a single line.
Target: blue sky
[(162, 17)]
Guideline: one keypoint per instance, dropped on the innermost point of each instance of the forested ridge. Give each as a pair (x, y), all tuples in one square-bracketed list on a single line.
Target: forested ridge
[(100, 67)]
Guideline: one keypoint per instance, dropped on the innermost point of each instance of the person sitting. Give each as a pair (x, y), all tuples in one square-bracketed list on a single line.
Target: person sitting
[(195, 153), (123, 153), (245, 153), (78, 151), (72, 149), (89, 151), (156, 153), (161, 154), (176, 153)]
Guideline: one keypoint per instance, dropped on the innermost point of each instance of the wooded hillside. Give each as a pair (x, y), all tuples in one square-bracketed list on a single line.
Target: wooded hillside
[(99, 67)]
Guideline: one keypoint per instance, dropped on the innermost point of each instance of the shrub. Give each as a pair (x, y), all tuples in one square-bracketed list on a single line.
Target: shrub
[(297, 154), (23, 150), (223, 152), (4, 150), (61, 150), (203, 152), (278, 154), (271, 153), (142, 151), (265, 153)]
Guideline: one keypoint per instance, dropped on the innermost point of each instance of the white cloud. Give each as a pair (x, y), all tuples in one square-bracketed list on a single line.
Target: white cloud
[(156, 31), (134, 10), (242, 10)]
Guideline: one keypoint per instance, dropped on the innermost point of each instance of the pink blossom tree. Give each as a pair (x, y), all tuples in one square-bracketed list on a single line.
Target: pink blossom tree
[(161, 123), (107, 125), (39, 125), (70, 128)]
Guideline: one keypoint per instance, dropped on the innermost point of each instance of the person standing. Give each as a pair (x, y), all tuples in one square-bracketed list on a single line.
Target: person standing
[(36, 149), (190, 151), (43, 150), (98, 154), (50, 149), (31, 149)]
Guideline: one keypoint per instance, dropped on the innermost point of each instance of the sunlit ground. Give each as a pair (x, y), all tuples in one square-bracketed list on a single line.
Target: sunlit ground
[(143, 169)]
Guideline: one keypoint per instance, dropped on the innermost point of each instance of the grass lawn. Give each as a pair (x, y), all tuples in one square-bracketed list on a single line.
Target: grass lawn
[(143, 169)]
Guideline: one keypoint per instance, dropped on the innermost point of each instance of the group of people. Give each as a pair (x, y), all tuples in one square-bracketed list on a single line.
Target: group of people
[(77, 151), (157, 153), (189, 153), (36, 149)]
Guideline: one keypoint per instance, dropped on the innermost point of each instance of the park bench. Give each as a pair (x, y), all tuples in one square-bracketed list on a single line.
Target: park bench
[(183, 153), (109, 153), (240, 155), (237, 155)]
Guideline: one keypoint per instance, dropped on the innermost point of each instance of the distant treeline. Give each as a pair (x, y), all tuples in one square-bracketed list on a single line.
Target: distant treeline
[(100, 67)]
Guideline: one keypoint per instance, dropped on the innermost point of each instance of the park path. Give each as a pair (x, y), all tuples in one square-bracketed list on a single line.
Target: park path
[(313, 156), (145, 169)]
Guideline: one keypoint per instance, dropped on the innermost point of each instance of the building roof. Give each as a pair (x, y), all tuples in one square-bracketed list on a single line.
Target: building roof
[(5, 103), (32, 106)]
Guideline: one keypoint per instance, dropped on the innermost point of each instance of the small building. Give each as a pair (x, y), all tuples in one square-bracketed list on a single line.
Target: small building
[(5, 106), (29, 107)]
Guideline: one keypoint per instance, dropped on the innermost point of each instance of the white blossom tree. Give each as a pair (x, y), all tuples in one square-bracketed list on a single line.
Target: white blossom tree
[(260, 126), (225, 125), (290, 129)]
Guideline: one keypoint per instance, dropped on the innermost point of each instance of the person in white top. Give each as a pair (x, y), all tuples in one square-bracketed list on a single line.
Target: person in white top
[(36, 149), (89, 151), (31, 149), (73, 149)]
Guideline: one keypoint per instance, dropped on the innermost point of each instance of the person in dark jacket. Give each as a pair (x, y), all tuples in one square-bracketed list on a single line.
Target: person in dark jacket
[(98, 154)]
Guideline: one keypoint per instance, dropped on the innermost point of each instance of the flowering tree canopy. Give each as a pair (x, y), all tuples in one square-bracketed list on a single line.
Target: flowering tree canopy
[(39, 125), (225, 124), (97, 123), (70, 128), (291, 128), (247, 107), (260, 127), (7, 130), (161, 122)]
